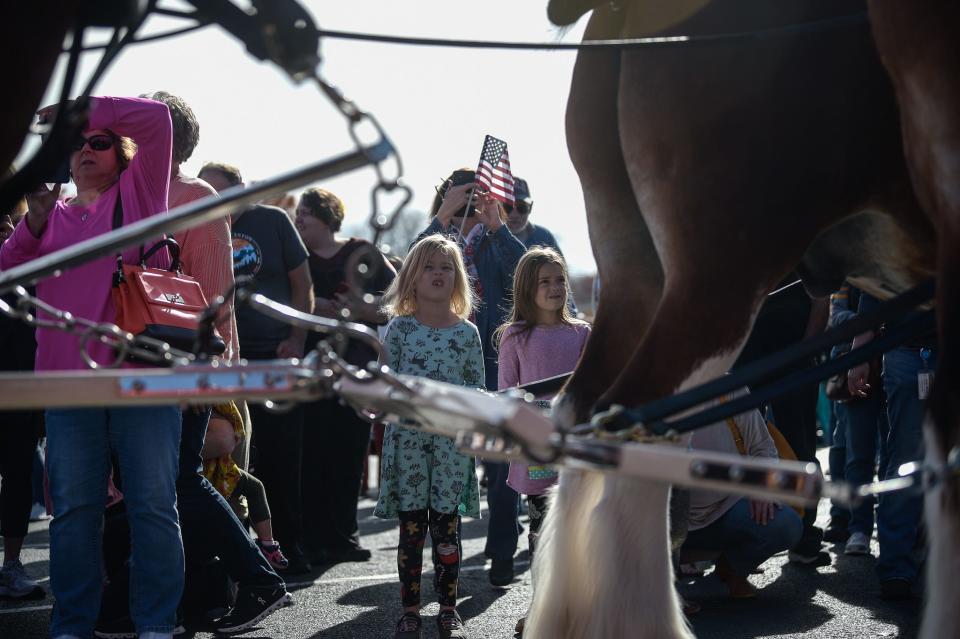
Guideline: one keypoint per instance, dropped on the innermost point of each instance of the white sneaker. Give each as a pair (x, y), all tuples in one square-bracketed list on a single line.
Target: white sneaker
[(15, 584), (857, 544), (38, 512)]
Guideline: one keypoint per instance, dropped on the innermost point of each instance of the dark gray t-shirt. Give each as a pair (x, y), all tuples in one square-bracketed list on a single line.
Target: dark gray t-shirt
[(266, 246)]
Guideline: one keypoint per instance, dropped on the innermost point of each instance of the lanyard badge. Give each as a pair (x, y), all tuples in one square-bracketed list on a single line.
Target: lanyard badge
[(925, 376)]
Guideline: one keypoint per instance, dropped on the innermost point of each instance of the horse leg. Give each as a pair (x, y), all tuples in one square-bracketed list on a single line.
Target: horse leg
[(721, 252), (631, 278), (919, 47)]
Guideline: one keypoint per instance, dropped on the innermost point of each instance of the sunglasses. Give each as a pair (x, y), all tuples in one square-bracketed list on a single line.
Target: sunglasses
[(99, 142), (523, 208)]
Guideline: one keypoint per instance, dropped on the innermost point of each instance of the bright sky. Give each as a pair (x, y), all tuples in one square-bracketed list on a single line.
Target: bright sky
[(436, 104)]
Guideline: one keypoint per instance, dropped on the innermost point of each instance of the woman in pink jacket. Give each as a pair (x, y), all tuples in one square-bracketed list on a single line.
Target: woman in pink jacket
[(105, 165)]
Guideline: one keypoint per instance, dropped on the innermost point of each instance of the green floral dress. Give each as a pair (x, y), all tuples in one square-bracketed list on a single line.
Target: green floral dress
[(421, 470)]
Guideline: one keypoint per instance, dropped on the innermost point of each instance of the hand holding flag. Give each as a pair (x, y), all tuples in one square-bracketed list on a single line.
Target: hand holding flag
[(493, 173)]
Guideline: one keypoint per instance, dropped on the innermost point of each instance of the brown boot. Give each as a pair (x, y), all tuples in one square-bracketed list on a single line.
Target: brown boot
[(737, 585)]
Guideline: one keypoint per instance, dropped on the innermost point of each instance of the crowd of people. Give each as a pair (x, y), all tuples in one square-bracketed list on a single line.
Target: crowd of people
[(152, 505)]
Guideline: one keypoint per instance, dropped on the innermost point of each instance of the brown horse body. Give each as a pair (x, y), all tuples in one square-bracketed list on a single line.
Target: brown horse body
[(711, 171)]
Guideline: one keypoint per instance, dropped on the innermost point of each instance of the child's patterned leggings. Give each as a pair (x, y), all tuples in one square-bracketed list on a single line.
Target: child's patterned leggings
[(413, 534), (537, 509)]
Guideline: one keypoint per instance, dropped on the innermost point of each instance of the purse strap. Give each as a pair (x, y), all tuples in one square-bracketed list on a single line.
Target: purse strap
[(117, 223), (737, 435), (174, 248), (169, 242)]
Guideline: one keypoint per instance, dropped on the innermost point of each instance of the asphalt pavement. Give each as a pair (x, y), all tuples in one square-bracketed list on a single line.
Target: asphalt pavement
[(362, 599)]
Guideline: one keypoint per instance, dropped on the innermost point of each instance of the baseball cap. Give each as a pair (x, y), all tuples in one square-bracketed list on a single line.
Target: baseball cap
[(521, 190)]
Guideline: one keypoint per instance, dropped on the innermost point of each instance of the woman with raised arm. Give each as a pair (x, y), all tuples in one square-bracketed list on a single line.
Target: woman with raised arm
[(122, 159)]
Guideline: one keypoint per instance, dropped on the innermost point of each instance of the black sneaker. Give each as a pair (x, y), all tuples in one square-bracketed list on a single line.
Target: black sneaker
[(836, 531), (409, 626), (297, 564), (347, 555), (501, 572), (896, 590), (121, 628), (450, 626), (252, 607), (814, 560)]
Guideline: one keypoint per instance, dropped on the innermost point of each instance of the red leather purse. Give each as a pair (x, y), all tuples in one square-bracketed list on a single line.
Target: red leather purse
[(158, 303)]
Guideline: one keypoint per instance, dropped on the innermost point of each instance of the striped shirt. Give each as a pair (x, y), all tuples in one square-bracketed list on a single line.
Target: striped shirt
[(207, 255)]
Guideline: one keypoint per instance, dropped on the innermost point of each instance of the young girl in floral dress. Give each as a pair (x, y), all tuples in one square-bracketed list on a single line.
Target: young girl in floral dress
[(540, 340), (425, 482)]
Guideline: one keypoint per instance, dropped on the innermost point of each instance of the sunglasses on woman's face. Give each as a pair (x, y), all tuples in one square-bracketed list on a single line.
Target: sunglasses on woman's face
[(97, 143)]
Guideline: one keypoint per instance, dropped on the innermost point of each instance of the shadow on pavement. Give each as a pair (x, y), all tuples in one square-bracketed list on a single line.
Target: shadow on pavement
[(476, 597), (787, 606)]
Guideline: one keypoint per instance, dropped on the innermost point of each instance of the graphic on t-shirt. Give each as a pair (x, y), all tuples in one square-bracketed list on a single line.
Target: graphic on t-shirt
[(247, 257)]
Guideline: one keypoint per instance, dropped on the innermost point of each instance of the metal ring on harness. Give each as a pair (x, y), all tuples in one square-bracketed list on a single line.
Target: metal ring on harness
[(120, 344)]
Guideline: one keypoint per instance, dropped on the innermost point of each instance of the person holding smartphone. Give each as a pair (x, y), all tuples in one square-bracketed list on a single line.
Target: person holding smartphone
[(491, 252), (120, 163)]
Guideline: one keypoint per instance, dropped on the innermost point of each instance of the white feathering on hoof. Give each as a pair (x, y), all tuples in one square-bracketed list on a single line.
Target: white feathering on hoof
[(563, 574), (941, 618), (631, 549), (604, 550)]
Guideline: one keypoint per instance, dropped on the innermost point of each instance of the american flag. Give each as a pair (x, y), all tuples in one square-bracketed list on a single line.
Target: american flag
[(493, 174)]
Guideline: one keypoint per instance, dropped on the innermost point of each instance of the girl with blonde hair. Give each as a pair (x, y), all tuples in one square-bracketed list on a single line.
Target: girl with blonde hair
[(424, 481)]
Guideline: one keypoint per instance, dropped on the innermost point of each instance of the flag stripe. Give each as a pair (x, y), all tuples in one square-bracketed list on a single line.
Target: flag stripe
[(493, 171)]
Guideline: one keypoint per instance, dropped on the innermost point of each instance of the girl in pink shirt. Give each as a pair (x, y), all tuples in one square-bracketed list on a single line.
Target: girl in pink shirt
[(540, 340)]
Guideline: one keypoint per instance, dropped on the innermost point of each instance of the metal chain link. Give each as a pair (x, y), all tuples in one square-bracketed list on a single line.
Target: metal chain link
[(379, 222), (28, 308), (635, 433)]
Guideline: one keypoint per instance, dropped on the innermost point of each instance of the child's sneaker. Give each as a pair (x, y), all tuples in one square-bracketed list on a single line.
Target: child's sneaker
[(409, 626), (271, 551), (450, 625)]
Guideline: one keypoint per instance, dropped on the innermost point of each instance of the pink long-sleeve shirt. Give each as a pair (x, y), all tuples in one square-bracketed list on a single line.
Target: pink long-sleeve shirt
[(546, 351), (85, 290)]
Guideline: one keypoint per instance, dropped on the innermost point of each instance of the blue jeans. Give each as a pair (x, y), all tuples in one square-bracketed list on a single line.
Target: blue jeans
[(210, 527), (866, 436), (503, 531), (898, 516), (145, 441), (838, 456), (745, 543)]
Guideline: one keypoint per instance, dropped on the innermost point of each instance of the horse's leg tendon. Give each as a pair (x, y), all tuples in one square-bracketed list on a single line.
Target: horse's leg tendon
[(919, 46)]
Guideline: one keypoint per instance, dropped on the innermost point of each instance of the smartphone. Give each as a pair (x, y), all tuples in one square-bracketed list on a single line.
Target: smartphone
[(61, 175), (462, 177)]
